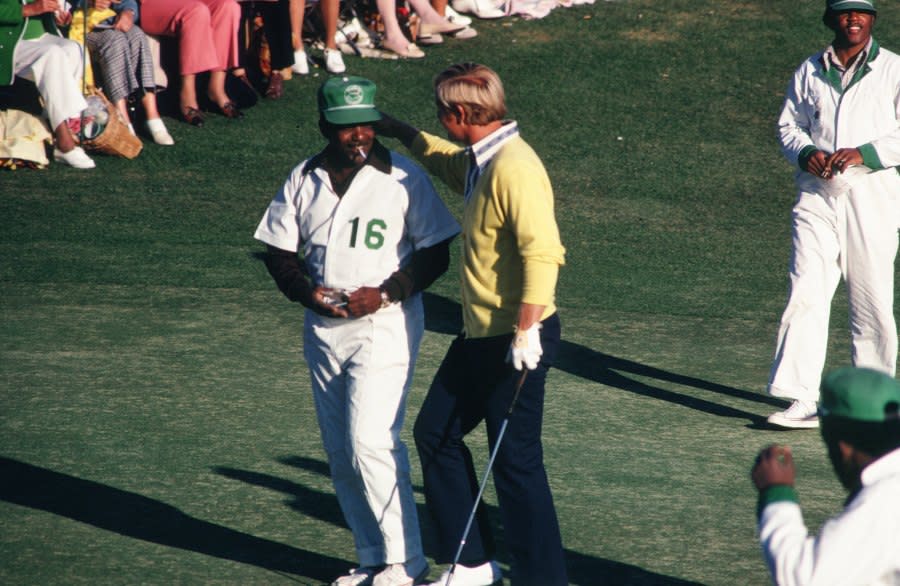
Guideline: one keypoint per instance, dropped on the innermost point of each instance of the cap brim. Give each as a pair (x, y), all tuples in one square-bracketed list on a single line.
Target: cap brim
[(352, 116), (851, 5)]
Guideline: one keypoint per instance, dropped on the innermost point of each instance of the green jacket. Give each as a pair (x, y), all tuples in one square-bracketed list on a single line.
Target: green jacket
[(12, 27)]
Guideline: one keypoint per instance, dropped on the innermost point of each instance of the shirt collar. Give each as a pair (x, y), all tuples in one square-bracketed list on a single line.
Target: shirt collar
[(883, 467), (830, 58), (485, 149), (379, 159)]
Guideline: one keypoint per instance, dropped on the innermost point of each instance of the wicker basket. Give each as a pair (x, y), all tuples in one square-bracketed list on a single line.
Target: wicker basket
[(115, 139)]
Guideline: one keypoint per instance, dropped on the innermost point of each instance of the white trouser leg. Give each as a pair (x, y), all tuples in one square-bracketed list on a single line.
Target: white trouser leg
[(361, 372), (55, 65), (814, 275), (871, 249)]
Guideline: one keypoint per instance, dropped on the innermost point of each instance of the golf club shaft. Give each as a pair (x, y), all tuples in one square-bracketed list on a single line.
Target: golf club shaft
[(484, 479)]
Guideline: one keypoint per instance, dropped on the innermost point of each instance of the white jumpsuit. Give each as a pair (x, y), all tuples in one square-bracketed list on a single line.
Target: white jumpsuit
[(844, 228), (361, 368)]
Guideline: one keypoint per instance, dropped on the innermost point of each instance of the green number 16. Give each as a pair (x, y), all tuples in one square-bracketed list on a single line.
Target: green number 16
[(374, 238)]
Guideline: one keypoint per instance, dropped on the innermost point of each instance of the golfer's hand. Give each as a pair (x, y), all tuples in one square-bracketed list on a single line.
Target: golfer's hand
[(525, 349), (774, 466), (393, 128)]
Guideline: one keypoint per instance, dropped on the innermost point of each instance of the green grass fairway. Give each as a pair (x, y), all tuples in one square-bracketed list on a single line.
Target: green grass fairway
[(156, 423)]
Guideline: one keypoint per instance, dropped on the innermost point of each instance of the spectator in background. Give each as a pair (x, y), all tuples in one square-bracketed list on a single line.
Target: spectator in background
[(431, 28), (121, 55), (860, 421), (207, 32), (330, 9), (840, 126), (34, 49)]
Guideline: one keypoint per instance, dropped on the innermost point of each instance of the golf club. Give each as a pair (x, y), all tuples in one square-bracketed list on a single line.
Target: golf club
[(487, 473)]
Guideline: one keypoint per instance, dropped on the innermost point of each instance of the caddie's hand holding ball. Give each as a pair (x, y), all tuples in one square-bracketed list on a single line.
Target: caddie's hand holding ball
[(774, 466), (525, 348), (842, 159), (364, 301), (328, 302), (816, 165)]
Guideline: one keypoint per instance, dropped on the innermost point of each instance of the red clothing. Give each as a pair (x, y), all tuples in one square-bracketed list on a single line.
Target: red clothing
[(207, 31)]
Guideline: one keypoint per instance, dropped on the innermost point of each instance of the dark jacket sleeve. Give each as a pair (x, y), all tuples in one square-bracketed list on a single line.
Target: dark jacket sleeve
[(289, 274), (423, 269)]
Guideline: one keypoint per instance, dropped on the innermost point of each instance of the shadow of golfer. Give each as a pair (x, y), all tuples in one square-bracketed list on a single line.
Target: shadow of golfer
[(137, 516), (444, 316), (584, 570)]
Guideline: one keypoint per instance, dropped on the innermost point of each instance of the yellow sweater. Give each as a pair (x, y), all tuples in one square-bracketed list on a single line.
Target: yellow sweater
[(511, 246)]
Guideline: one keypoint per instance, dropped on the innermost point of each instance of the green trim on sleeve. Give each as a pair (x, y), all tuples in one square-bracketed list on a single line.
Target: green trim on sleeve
[(775, 494), (870, 157), (804, 156)]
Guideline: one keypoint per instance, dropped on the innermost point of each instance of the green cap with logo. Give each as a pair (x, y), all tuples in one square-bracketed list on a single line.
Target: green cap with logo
[(845, 5), (348, 100), (860, 394)]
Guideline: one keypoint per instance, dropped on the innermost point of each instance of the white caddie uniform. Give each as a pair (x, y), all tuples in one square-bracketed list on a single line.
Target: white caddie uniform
[(858, 547), (361, 368), (843, 228)]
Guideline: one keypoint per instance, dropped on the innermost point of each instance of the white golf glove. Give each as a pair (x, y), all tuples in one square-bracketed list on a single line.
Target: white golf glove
[(526, 348)]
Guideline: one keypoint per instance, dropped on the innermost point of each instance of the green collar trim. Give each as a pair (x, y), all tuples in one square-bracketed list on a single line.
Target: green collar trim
[(834, 77)]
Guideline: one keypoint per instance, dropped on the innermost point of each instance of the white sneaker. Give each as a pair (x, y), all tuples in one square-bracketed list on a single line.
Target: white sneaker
[(455, 17), (486, 574), (800, 415), (301, 65), (75, 158), (356, 577), (334, 61), (158, 131), (408, 574)]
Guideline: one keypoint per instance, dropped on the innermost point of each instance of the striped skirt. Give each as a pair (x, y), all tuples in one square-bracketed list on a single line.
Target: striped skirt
[(124, 61)]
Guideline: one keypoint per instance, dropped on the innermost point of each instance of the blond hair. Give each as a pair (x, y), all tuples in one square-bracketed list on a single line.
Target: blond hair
[(475, 88)]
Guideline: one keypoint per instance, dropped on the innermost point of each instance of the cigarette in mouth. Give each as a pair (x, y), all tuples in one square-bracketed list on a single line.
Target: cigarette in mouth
[(361, 151)]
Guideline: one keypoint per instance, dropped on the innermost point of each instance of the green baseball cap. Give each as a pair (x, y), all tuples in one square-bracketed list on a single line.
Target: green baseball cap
[(845, 5), (348, 100), (860, 394)]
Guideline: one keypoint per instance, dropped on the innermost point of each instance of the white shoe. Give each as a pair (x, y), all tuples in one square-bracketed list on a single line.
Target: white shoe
[(484, 575), (158, 131), (455, 17), (800, 415), (407, 574), (466, 33), (356, 577), (301, 64), (485, 9), (75, 158), (334, 61)]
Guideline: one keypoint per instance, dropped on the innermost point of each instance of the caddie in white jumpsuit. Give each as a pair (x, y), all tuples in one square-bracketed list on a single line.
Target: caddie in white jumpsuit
[(841, 126), (373, 233)]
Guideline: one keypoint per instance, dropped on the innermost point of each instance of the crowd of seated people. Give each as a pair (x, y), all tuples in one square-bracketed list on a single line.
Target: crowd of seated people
[(210, 48)]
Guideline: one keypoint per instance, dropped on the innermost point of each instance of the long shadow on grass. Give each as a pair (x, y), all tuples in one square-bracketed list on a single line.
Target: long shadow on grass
[(584, 570), (444, 315), (133, 515)]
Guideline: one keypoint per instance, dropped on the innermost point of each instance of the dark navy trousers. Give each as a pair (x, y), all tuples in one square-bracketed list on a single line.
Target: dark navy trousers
[(473, 384)]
